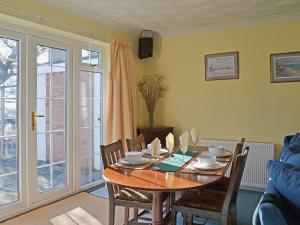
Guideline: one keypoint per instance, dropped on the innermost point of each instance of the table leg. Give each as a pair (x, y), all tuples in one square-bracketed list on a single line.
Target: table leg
[(157, 208)]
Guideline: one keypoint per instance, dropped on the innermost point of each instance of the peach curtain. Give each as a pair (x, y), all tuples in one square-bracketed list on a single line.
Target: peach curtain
[(121, 113)]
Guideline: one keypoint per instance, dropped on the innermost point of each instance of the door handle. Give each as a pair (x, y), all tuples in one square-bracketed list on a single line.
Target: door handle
[(33, 120)]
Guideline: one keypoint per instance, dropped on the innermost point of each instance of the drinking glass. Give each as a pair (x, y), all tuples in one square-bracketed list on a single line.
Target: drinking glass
[(183, 150), (155, 155)]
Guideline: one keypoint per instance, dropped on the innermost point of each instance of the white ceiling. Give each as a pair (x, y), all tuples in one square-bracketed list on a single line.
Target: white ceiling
[(172, 16)]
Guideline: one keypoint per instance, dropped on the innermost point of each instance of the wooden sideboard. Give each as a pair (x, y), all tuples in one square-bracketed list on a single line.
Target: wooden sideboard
[(150, 133)]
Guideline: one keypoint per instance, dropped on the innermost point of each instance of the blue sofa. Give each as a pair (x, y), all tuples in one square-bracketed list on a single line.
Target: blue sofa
[(280, 204)]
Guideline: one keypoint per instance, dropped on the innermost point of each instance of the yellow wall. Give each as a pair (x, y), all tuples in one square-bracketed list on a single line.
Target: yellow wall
[(249, 107), (56, 18)]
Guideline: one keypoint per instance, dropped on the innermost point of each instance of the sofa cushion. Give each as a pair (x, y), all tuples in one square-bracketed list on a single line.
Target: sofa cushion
[(270, 214), (291, 139), (270, 199), (294, 160), (286, 179), (288, 151)]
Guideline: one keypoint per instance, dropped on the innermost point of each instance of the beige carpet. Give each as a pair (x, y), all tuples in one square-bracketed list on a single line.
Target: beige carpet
[(80, 209)]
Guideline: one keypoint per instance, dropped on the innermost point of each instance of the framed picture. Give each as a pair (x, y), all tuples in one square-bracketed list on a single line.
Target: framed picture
[(285, 67), (222, 66)]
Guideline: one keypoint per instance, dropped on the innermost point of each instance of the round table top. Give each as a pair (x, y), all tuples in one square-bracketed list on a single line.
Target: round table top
[(152, 180)]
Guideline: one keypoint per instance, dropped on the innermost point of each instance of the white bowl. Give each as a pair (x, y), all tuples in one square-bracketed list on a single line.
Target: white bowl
[(206, 160), (133, 156), (216, 150)]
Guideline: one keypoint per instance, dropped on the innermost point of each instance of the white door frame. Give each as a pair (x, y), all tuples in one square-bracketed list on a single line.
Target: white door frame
[(31, 106), (21, 37), (99, 69)]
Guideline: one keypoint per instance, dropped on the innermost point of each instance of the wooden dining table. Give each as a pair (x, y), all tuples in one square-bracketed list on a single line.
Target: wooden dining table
[(159, 182)]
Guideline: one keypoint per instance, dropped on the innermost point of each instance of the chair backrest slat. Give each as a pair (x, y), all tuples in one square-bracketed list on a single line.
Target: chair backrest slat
[(110, 155), (238, 150), (235, 180), (136, 144)]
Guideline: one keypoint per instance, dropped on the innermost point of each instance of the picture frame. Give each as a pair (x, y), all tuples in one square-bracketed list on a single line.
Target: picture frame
[(285, 67), (222, 66)]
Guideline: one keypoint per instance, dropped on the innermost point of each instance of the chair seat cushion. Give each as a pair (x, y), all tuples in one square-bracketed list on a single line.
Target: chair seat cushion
[(129, 194), (206, 199)]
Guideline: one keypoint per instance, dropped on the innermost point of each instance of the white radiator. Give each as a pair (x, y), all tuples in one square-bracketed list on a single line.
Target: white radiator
[(255, 174)]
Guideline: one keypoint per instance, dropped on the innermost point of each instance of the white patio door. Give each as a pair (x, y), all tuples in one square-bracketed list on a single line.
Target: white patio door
[(12, 121), (50, 115)]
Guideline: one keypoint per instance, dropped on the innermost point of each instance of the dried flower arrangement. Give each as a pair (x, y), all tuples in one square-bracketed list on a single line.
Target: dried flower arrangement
[(152, 89)]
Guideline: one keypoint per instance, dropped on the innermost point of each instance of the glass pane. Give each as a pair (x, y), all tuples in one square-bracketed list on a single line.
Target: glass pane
[(50, 103), (85, 56), (58, 84), (97, 113), (97, 85), (43, 109), (91, 126), (43, 55), (85, 174), (11, 81), (86, 113), (44, 182), (58, 57), (58, 114), (58, 146), (43, 151), (9, 160), (10, 92), (59, 175), (9, 152), (95, 58), (9, 189), (43, 85), (86, 89), (91, 57)]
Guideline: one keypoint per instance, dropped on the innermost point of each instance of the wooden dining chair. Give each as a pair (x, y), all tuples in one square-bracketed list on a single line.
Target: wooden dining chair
[(223, 183), (121, 196), (209, 203), (136, 144)]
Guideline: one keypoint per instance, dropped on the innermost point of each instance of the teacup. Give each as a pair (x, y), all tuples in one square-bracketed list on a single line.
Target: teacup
[(206, 160), (149, 147), (133, 156), (216, 150)]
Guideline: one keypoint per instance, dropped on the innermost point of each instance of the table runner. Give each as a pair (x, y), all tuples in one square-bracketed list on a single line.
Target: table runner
[(174, 163)]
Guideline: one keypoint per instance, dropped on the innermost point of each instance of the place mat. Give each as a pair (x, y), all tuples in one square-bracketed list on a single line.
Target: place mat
[(133, 167), (174, 163), (218, 172)]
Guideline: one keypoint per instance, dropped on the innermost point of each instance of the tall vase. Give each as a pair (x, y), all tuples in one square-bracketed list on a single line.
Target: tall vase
[(151, 119)]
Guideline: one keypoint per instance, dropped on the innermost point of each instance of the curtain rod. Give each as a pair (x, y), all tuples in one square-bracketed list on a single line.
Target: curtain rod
[(51, 20)]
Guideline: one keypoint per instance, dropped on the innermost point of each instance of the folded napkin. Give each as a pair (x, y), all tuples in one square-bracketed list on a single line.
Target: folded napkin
[(194, 135), (170, 141), (184, 140), (155, 146)]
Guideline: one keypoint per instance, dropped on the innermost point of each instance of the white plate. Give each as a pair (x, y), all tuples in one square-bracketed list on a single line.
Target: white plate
[(225, 153), (126, 162), (162, 151), (217, 165)]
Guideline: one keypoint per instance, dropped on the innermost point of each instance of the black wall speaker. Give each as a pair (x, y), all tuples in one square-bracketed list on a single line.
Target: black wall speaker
[(145, 47)]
